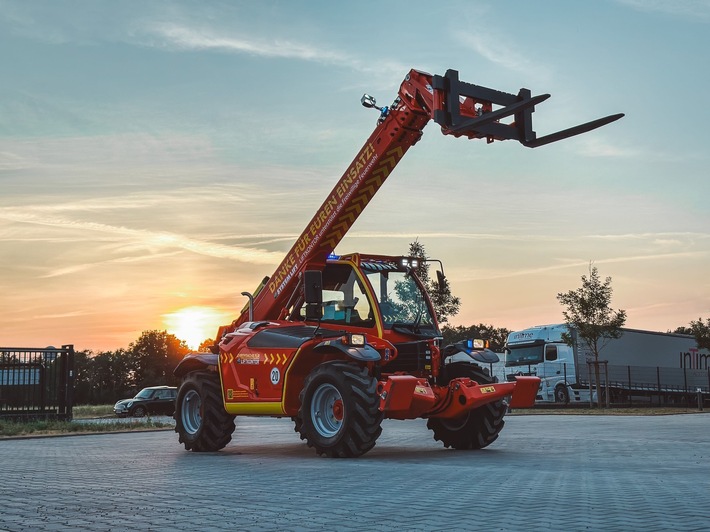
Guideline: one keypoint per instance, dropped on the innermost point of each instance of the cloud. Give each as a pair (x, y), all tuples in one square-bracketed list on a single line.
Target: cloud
[(577, 264), (491, 47), (12, 161), (177, 28), (456, 235), (669, 241), (597, 147), (180, 37), (155, 241), (69, 270), (625, 236)]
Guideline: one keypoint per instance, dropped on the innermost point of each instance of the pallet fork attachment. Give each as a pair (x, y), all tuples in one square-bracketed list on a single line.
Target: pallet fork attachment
[(465, 109)]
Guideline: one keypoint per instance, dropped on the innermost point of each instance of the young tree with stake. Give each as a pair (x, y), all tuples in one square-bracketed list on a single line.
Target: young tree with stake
[(588, 310)]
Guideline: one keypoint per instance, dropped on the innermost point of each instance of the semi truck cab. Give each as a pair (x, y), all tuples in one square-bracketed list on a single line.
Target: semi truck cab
[(540, 352)]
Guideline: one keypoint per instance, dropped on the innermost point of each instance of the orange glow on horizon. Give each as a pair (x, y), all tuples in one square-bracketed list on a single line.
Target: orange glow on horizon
[(193, 325)]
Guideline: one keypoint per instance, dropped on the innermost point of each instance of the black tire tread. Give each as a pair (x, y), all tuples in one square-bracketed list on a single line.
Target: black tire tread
[(563, 396), (363, 419), (483, 424), (140, 411), (217, 425)]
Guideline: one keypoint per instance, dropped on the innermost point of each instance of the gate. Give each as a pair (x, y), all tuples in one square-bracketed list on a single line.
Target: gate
[(36, 383)]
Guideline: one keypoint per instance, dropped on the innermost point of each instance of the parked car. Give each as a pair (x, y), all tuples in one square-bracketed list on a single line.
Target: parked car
[(158, 400)]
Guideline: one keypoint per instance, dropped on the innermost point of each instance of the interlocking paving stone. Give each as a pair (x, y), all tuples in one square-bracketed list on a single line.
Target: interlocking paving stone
[(545, 472)]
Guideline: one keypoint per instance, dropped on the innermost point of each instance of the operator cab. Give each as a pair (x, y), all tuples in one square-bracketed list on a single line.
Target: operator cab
[(370, 292)]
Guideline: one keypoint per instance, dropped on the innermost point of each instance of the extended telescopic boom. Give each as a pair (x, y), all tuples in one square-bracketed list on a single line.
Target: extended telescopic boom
[(461, 109)]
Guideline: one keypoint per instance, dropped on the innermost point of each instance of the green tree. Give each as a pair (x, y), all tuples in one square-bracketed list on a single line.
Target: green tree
[(445, 303), (154, 355), (682, 330), (701, 330), (111, 375), (588, 311), (82, 377)]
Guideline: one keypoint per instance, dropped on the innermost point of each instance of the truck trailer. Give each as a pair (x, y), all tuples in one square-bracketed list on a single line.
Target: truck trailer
[(637, 366)]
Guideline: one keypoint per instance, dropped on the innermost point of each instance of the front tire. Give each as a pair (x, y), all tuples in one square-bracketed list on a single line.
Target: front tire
[(339, 413), (139, 411), (479, 427), (202, 423), (562, 394)]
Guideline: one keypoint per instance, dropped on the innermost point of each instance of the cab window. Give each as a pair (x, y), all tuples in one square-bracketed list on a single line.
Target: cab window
[(344, 298), (550, 353)]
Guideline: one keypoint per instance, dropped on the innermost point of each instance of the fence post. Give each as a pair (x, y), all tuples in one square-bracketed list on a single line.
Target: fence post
[(61, 384), (589, 377), (700, 399), (658, 380), (44, 381), (628, 372), (70, 382), (65, 384)]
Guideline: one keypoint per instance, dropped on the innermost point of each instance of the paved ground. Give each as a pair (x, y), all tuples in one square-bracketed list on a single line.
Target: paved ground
[(544, 473)]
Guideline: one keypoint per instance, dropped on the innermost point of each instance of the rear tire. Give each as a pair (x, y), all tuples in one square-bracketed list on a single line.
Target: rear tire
[(339, 413), (479, 427), (202, 423)]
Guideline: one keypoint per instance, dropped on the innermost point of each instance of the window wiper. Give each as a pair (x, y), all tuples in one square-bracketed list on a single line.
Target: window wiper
[(409, 328), (418, 320)]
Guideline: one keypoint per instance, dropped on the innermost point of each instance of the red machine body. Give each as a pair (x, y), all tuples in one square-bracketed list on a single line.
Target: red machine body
[(372, 350)]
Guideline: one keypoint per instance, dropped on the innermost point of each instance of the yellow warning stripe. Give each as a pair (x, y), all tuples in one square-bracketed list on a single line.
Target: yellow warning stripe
[(245, 409)]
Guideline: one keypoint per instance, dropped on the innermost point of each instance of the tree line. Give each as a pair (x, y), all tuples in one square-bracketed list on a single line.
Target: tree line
[(108, 376)]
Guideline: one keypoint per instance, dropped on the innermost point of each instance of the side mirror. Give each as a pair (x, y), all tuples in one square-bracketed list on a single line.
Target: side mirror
[(368, 101), (441, 281), (313, 294)]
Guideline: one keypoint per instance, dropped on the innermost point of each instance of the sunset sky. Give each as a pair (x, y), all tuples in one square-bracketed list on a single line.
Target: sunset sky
[(159, 158)]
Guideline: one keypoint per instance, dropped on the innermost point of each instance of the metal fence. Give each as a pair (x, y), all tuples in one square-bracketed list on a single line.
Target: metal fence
[(36, 383), (650, 379), (636, 384)]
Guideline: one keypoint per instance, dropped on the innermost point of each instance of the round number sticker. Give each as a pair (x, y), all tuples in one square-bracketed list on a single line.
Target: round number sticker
[(275, 376)]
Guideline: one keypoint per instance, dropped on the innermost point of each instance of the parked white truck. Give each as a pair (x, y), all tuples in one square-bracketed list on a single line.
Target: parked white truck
[(669, 367)]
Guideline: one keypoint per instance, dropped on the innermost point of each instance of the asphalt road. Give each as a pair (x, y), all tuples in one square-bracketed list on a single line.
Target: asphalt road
[(545, 472)]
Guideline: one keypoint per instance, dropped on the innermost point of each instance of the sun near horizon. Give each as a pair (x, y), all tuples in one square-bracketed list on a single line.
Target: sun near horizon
[(195, 324)]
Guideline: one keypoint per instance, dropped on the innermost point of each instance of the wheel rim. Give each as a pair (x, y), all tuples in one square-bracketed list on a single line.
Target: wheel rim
[(190, 411), (327, 410), (139, 412), (561, 395)]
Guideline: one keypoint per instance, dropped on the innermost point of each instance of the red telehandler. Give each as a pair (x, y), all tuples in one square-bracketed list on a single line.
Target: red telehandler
[(338, 343)]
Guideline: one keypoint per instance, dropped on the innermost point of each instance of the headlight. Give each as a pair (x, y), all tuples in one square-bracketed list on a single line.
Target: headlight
[(409, 262), (356, 340), (477, 343)]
